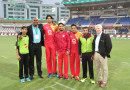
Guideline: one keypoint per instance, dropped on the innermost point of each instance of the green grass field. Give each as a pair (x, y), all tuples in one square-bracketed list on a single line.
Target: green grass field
[(119, 71)]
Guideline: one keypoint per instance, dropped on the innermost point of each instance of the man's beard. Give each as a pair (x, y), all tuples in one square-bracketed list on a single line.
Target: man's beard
[(86, 35), (35, 25), (74, 32), (61, 30)]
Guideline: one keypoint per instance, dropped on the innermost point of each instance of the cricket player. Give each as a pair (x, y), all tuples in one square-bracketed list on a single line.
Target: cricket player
[(49, 30), (86, 50), (74, 55), (62, 41), (23, 55)]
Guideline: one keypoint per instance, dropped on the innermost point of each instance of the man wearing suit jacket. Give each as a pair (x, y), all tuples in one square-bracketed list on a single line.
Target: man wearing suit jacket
[(36, 40), (102, 46)]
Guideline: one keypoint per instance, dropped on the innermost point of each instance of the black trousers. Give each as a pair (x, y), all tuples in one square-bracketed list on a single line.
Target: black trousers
[(23, 64), (86, 60), (35, 50)]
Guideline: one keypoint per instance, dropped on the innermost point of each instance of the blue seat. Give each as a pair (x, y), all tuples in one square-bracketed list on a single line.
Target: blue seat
[(110, 21)]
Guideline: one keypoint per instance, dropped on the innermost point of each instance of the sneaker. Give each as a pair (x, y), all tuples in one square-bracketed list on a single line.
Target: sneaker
[(49, 75), (56, 75), (72, 77), (103, 85), (83, 79), (60, 77), (66, 78), (77, 78), (92, 81), (22, 80), (28, 79)]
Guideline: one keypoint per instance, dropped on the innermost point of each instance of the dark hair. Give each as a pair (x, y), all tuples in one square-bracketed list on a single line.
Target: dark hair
[(60, 24), (85, 28), (49, 16), (23, 27), (73, 25)]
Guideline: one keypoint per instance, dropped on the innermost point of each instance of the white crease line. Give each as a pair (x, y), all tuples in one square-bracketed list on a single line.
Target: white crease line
[(64, 85), (53, 88), (4, 57), (48, 87), (126, 63), (41, 89), (9, 73)]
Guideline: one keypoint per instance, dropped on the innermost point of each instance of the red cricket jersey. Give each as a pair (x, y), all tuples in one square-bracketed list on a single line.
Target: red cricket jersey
[(74, 39), (62, 41), (49, 31)]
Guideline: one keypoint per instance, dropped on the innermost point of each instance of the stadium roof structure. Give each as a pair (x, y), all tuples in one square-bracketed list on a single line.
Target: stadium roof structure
[(18, 20), (80, 1), (99, 5)]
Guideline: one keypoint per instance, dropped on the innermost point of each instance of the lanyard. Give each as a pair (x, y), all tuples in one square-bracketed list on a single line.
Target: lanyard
[(36, 29)]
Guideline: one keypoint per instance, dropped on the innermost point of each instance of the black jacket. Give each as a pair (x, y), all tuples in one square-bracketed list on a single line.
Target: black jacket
[(105, 45), (30, 34)]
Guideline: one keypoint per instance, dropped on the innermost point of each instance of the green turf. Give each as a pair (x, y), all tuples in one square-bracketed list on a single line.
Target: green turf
[(119, 71)]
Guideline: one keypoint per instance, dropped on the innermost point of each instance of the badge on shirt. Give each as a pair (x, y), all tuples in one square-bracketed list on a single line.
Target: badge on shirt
[(73, 41), (49, 32), (63, 35), (25, 46), (36, 36)]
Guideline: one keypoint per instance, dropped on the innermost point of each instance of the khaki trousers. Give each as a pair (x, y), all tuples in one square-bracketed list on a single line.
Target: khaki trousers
[(101, 63)]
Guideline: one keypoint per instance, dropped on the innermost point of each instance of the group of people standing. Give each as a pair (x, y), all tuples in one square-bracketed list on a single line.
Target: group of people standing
[(67, 46)]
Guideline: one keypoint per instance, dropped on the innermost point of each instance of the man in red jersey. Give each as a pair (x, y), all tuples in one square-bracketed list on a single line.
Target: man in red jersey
[(49, 30), (62, 42), (74, 55)]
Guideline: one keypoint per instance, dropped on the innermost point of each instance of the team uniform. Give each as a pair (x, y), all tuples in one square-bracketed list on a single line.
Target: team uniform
[(49, 31), (74, 54), (62, 41), (23, 45), (85, 47)]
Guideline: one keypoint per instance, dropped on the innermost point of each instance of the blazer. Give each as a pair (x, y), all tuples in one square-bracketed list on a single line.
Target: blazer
[(105, 45), (30, 34)]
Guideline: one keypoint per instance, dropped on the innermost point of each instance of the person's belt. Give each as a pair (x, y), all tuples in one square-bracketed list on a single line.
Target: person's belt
[(36, 43), (97, 51)]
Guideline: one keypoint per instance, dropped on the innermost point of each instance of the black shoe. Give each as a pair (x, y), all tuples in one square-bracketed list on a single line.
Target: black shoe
[(40, 76), (31, 77)]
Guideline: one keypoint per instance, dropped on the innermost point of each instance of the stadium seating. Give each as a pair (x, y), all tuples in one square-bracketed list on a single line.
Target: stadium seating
[(123, 31), (110, 21), (83, 21), (94, 17), (73, 21), (125, 20), (97, 21), (93, 20)]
